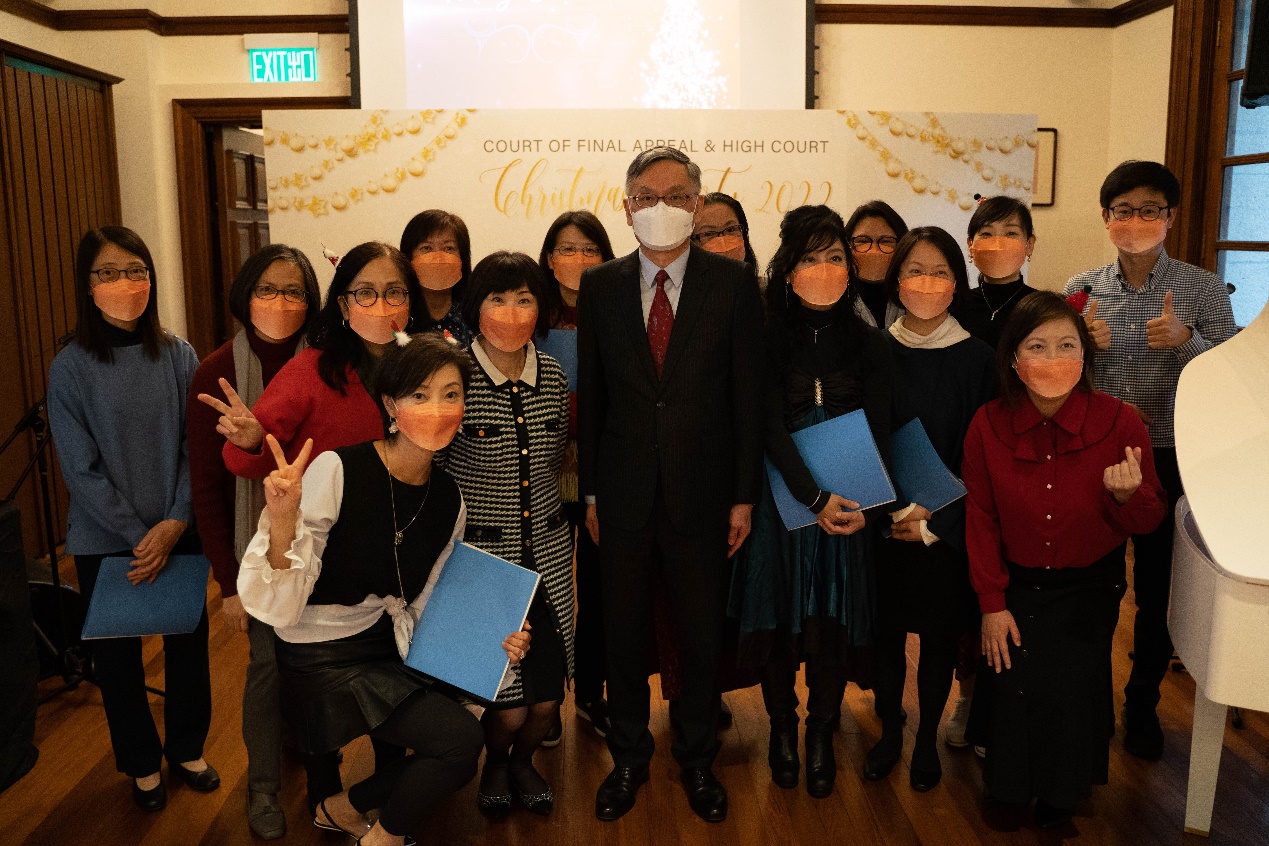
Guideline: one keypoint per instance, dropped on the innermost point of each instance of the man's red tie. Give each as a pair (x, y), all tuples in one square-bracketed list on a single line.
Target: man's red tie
[(660, 321)]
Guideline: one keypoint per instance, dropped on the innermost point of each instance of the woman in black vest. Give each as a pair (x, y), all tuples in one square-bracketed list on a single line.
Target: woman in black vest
[(377, 519)]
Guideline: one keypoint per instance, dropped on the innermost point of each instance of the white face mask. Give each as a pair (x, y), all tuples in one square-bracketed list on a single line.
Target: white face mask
[(662, 227)]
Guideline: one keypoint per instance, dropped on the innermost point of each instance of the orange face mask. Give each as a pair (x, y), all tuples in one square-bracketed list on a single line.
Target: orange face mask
[(926, 297), (508, 327), (1050, 377), (998, 258), (278, 318), (568, 269), (373, 324), (430, 425), (438, 271), (732, 246), (123, 300), (821, 284), (873, 264), (1135, 235)]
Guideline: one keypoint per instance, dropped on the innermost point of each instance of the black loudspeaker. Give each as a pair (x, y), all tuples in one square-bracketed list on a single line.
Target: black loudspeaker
[(1256, 83), (18, 662)]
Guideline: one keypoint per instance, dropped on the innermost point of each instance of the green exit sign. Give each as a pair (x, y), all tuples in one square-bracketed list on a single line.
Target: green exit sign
[(284, 64)]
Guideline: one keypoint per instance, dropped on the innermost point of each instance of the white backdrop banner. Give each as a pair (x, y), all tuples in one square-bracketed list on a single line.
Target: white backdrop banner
[(338, 178)]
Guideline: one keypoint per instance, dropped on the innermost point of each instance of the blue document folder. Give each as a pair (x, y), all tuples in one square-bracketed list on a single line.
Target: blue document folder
[(843, 459), (172, 604), (922, 475), (477, 601), (561, 345)]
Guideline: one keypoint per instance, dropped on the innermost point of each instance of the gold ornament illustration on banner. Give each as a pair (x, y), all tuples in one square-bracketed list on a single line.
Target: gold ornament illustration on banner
[(366, 141)]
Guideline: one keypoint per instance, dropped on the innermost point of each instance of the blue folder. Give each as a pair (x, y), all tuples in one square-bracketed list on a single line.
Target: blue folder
[(561, 345), (172, 604), (477, 601), (922, 475), (843, 459)]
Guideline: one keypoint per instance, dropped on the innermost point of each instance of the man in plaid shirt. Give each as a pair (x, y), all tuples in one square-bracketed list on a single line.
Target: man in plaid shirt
[(1149, 314)]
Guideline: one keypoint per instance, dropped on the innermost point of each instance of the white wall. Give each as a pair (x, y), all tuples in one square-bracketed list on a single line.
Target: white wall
[(155, 71), (1106, 92)]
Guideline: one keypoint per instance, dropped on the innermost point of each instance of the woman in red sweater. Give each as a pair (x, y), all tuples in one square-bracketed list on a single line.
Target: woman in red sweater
[(1059, 476), (274, 297)]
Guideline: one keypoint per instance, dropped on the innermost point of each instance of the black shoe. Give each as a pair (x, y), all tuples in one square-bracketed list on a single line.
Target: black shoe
[(926, 770), (204, 781), (1050, 816), (725, 717), (821, 765), (924, 780), (264, 815), (553, 736), (154, 799), (532, 790), (596, 713), (616, 796), (1143, 736), (493, 796), (882, 757), (782, 751), (705, 793)]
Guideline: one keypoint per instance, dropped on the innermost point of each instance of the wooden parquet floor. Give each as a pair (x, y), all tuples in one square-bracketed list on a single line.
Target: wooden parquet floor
[(75, 796)]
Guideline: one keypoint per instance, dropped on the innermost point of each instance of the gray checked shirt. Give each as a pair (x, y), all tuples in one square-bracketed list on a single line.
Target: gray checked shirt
[(1132, 371)]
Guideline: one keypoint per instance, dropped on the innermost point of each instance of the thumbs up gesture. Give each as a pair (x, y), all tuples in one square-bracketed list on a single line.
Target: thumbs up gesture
[(1099, 329), (1166, 331)]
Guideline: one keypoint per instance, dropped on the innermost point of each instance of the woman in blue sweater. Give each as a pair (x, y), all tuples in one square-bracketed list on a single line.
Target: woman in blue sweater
[(116, 401)]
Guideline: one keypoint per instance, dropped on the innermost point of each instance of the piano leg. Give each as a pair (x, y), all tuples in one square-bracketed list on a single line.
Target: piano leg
[(1205, 760)]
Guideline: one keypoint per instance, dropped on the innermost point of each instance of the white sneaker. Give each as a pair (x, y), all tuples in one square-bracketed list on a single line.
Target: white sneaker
[(954, 734)]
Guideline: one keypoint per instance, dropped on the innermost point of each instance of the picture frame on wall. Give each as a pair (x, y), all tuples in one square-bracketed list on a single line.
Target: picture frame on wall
[(1044, 185)]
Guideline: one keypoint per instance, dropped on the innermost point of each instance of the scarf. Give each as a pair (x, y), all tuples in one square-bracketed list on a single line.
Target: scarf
[(948, 332)]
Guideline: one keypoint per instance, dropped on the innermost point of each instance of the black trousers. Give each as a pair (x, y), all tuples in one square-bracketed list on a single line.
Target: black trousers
[(588, 641), (1152, 584), (445, 739), (121, 674), (695, 567), (825, 687)]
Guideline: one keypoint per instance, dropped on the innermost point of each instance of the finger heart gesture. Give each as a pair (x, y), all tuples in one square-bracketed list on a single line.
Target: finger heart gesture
[(283, 486), (237, 423), (1123, 479)]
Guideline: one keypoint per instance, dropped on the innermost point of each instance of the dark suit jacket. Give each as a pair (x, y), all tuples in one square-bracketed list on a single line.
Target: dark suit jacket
[(696, 431)]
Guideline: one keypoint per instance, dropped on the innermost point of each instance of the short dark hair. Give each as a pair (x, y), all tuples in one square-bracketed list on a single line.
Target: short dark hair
[(255, 266), (1135, 173), (90, 327), (942, 241), (403, 368), (877, 208), (588, 225), (803, 230), (647, 158), (329, 333), (505, 271), (424, 225), (997, 209), (718, 198), (1033, 311)]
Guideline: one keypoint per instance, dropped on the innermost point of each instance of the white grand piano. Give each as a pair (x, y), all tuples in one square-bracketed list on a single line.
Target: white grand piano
[(1219, 614)]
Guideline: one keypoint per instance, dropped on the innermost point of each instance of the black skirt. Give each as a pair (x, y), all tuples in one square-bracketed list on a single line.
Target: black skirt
[(925, 589), (543, 670), (338, 690), (1047, 721)]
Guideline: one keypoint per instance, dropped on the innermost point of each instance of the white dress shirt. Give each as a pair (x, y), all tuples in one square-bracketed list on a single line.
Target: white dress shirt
[(648, 285)]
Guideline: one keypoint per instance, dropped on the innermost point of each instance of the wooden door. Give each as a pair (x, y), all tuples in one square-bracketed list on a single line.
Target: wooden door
[(240, 213), (59, 178)]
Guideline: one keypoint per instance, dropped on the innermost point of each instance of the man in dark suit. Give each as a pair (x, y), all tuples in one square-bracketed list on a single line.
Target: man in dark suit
[(670, 363)]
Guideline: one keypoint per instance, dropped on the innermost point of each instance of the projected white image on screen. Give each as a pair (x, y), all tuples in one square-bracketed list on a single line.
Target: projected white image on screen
[(573, 54)]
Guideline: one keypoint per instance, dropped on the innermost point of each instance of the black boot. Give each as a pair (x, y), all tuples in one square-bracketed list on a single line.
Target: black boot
[(821, 766), (782, 753)]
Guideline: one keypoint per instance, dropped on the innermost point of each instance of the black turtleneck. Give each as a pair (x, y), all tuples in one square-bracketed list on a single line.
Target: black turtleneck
[(122, 337), (987, 308), (874, 296)]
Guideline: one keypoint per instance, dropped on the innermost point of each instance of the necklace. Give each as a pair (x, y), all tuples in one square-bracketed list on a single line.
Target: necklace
[(1008, 300), (399, 534)]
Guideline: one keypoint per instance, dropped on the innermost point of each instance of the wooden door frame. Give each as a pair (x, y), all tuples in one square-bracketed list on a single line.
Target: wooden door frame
[(189, 118)]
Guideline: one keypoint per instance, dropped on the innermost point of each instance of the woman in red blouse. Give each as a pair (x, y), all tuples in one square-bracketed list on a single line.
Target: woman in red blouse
[(1059, 476)]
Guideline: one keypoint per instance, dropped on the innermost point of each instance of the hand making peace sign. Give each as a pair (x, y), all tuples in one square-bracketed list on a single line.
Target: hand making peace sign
[(283, 486), (237, 423)]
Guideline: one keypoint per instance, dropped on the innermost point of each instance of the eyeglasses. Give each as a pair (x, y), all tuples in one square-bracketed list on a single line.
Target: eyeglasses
[(106, 275), (291, 295), (366, 297), (567, 251), (706, 235), (639, 202), (1147, 212), (862, 243)]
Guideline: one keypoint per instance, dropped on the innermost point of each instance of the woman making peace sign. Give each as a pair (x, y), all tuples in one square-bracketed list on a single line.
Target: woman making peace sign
[(340, 567), (1058, 477)]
